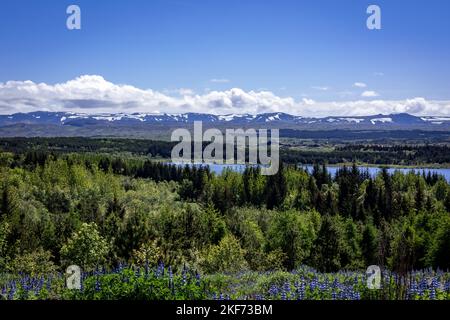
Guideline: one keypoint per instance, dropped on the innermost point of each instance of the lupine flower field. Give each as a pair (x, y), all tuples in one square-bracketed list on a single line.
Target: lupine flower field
[(162, 283)]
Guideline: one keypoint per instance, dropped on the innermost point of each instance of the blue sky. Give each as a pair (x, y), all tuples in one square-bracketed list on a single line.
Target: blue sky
[(313, 50)]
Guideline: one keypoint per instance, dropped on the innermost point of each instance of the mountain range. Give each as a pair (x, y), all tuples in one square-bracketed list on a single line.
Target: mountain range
[(69, 123), (82, 119)]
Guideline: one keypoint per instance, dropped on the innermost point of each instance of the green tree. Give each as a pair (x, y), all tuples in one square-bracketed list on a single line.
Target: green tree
[(4, 234), (227, 256), (38, 262), (439, 253), (403, 248), (86, 248), (293, 233), (369, 244), (276, 189), (330, 246)]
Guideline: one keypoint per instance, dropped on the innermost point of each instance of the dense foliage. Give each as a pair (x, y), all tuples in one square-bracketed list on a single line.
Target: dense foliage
[(101, 210), (378, 154), (322, 148)]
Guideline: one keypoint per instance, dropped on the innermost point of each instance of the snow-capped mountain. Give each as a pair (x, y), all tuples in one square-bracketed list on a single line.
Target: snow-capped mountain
[(81, 120)]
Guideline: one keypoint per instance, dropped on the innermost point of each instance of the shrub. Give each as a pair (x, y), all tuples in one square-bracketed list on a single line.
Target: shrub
[(227, 256), (34, 263), (148, 253), (86, 248)]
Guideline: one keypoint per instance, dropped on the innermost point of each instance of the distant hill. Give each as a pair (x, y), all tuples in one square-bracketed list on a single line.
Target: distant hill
[(140, 124)]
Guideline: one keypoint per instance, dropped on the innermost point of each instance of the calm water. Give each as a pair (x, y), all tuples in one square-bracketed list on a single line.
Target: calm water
[(373, 171)]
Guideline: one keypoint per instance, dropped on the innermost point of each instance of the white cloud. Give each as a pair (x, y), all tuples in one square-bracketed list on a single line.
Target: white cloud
[(360, 85), (308, 102), (320, 88), (219, 80), (378, 74), (369, 94), (94, 94), (185, 92)]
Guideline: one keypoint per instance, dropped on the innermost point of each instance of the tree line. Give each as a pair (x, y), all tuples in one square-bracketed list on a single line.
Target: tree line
[(102, 209), (373, 153)]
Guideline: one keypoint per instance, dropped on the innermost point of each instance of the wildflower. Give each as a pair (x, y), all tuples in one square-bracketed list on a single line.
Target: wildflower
[(433, 294), (447, 286), (12, 291), (197, 278), (273, 291), (170, 273), (300, 290), (97, 285)]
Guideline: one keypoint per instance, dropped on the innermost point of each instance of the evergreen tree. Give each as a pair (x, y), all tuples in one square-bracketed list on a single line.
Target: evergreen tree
[(276, 189), (329, 245), (369, 244), (5, 208)]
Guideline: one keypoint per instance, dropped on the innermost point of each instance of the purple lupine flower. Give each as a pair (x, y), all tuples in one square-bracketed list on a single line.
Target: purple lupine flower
[(287, 288), (433, 294), (197, 278), (447, 286), (161, 269), (97, 285), (300, 290), (412, 291), (435, 283), (12, 290), (273, 291), (170, 273), (333, 295)]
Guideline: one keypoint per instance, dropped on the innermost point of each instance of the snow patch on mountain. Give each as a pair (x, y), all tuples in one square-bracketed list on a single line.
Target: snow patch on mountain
[(382, 120)]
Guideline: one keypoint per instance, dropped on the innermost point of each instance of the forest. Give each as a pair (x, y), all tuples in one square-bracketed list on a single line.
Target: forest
[(99, 210), (321, 151)]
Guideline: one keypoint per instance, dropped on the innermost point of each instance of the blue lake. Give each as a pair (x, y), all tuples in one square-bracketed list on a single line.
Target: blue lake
[(373, 171)]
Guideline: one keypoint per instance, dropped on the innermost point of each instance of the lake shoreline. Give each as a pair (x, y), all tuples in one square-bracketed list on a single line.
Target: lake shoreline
[(393, 166)]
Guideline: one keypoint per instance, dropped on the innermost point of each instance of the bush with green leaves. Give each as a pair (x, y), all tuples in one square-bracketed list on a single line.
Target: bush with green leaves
[(86, 248), (227, 256), (293, 233), (39, 262), (4, 233)]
